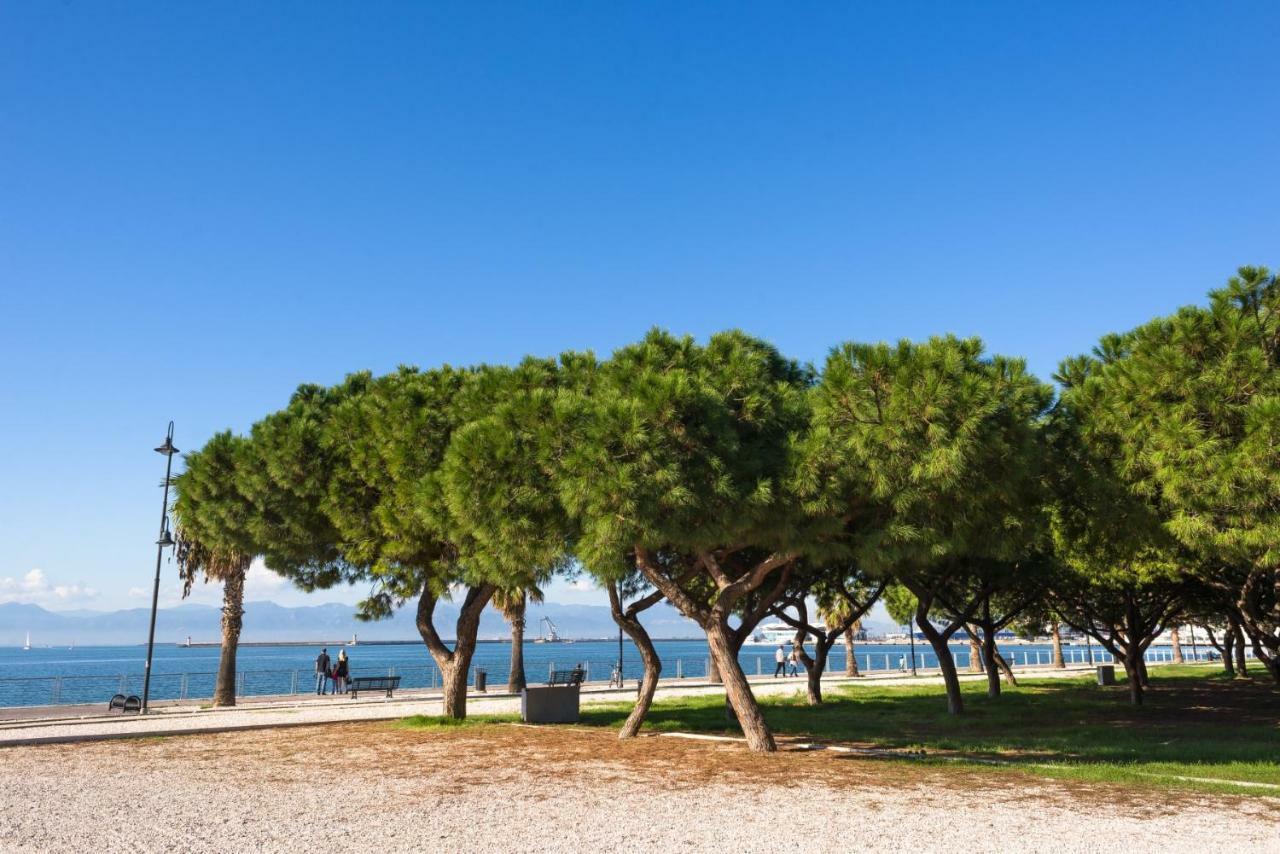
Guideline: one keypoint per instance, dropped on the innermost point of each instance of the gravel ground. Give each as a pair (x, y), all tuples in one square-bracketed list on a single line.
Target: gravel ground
[(372, 787)]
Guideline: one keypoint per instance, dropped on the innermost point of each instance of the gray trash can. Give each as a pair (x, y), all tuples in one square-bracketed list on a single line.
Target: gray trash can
[(1106, 674), (482, 680)]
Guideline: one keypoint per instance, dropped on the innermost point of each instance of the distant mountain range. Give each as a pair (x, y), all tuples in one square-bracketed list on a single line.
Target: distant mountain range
[(267, 621)]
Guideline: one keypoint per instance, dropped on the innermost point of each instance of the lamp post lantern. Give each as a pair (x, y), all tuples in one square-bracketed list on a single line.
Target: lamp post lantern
[(166, 540)]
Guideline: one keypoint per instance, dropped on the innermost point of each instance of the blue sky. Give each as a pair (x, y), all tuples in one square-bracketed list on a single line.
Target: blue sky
[(202, 205)]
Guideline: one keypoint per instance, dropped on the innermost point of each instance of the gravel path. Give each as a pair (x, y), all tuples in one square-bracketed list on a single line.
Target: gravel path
[(372, 787)]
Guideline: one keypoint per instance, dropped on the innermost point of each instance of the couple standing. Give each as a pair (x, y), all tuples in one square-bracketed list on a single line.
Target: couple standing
[(335, 674)]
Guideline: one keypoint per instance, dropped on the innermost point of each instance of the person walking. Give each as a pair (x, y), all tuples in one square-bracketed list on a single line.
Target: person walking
[(795, 661), (322, 671), (780, 658), (340, 673)]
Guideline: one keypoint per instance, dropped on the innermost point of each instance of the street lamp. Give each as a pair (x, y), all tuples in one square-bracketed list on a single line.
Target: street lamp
[(911, 636), (166, 540)]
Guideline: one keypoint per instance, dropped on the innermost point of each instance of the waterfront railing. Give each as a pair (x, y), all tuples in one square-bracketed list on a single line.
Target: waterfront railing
[(188, 686)]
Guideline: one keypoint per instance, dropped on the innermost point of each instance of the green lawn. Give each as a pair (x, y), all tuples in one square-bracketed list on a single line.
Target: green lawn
[(1195, 724)]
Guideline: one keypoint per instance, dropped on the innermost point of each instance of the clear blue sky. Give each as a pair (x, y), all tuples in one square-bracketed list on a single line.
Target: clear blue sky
[(202, 205)]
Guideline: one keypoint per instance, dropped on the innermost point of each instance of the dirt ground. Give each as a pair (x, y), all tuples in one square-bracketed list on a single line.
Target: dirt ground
[(375, 787)]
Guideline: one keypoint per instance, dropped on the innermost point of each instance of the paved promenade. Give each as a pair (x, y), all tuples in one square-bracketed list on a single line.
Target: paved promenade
[(60, 724)]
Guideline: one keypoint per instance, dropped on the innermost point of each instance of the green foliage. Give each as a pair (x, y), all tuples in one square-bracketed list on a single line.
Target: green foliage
[(214, 518), (929, 452), (682, 447), (900, 603)]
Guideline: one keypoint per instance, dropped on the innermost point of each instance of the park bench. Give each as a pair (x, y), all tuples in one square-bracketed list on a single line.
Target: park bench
[(125, 704), (567, 677), (372, 683)]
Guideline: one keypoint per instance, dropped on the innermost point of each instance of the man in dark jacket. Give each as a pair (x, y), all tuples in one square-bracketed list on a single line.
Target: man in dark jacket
[(322, 671)]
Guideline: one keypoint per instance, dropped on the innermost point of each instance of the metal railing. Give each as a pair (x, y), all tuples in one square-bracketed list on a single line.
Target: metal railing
[(63, 690)]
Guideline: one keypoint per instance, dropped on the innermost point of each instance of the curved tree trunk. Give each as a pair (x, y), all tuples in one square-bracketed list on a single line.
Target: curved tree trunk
[(814, 668), (455, 664), (648, 683), (1178, 658), (947, 664), (224, 690), (630, 623), (1005, 669), (1058, 661), (516, 679), (850, 656), (738, 691)]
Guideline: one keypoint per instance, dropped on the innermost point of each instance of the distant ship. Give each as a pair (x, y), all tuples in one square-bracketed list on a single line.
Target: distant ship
[(27, 645), (551, 636)]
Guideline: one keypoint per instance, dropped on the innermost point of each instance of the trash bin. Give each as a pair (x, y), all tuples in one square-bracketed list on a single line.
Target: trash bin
[(482, 679), (1106, 674)]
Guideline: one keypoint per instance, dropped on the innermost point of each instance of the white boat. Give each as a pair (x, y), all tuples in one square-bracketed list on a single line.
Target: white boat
[(27, 645), (772, 634)]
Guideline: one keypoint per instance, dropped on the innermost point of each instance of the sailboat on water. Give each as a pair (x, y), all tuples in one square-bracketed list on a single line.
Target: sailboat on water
[(27, 645)]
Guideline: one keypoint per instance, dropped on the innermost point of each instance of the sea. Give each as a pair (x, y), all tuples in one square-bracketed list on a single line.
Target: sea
[(92, 674)]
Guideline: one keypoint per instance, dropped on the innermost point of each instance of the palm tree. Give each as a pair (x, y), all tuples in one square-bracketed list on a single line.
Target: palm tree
[(835, 610), (213, 541), (512, 603)]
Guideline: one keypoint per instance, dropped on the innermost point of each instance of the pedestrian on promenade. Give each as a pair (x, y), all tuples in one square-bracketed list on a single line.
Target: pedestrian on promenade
[(795, 661), (780, 656), (322, 671), (340, 673)]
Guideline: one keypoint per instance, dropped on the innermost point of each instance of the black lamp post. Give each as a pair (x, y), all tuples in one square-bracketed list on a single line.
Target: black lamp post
[(166, 540), (911, 635)]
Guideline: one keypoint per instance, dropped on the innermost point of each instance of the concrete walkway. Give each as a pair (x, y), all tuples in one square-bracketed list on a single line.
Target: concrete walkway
[(303, 710)]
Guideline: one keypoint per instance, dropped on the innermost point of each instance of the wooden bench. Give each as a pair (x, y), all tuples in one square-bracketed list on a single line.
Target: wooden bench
[(357, 684), (567, 677)]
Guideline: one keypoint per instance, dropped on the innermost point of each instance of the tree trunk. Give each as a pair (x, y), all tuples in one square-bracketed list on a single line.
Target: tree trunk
[(1242, 668), (738, 691), (455, 664), (1005, 669), (1058, 661), (947, 664), (1177, 646), (648, 684), (516, 679), (815, 667), (630, 623), (1132, 651), (989, 661), (850, 657), (975, 653), (1224, 649), (713, 671), (224, 690)]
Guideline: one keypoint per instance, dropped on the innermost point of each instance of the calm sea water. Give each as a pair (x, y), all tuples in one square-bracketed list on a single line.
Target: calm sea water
[(92, 674)]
